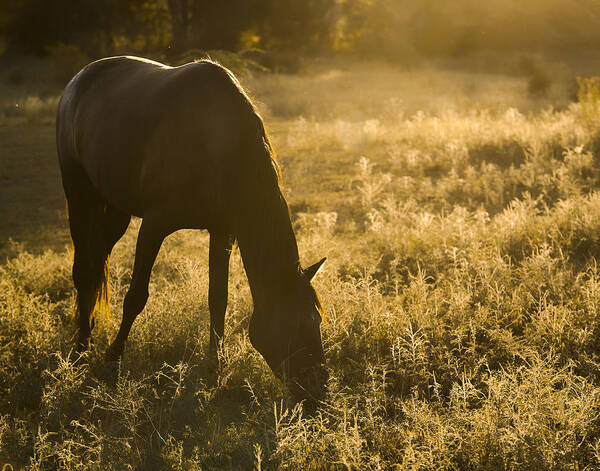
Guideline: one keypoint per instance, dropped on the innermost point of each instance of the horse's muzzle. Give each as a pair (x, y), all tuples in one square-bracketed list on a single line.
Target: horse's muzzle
[(310, 387)]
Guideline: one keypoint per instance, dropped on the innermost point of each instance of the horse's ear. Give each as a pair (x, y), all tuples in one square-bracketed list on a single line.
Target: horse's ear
[(311, 271)]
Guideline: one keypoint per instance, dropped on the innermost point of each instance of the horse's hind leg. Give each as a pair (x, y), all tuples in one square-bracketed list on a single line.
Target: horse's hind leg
[(150, 238), (95, 228)]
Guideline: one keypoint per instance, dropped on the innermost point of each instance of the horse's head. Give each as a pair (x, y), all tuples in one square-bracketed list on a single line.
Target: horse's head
[(288, 335)]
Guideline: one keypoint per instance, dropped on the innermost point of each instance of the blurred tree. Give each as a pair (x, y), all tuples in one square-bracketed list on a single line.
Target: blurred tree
[(181, 13), (300, 25), (219, 25), (400, 30), (96, 26), (378, 28)]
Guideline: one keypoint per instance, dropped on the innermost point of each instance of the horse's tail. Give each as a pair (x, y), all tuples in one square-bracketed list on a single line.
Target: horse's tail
[(101, 245), (91, 252), (102, 305)]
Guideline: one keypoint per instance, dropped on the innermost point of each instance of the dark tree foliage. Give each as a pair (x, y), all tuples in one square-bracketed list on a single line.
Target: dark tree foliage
[(298, 25), (283, 24), (394, 29), (36, 24)]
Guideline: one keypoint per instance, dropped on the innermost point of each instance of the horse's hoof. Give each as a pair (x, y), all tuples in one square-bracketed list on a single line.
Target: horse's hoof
[(110, 372), (77, 356), (83, 344), (112, 363), (113, 354), (80, 350)]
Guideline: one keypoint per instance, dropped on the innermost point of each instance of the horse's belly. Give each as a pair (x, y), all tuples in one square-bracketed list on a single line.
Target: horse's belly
[(180, 194), (116, 178)]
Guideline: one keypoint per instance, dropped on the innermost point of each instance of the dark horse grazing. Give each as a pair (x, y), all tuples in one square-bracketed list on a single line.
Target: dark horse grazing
[(184, 147)]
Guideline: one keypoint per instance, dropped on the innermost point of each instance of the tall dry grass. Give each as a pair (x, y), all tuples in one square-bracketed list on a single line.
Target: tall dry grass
[(462, 295)]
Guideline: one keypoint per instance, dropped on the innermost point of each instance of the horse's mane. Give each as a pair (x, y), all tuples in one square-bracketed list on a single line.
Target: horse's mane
[(262, 132), (270, 221)]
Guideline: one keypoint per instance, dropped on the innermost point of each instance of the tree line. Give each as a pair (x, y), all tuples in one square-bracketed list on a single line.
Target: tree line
[(395, 29)]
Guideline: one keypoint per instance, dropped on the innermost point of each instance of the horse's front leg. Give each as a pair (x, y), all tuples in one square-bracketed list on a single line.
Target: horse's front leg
[(218, 262), (150, 238)]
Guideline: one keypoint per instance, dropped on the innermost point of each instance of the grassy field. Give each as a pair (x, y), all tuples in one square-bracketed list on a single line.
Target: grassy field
[(460, 213)]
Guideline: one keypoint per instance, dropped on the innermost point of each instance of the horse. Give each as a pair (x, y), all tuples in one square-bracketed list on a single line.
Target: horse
[(185, 148)]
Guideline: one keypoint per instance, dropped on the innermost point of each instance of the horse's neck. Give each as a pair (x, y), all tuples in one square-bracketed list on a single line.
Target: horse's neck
[(268, 248)]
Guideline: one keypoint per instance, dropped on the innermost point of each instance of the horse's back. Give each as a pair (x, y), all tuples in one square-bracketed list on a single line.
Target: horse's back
[(149, 135)]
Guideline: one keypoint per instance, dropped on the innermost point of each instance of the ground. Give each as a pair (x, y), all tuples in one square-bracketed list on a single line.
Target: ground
[(458, 208)]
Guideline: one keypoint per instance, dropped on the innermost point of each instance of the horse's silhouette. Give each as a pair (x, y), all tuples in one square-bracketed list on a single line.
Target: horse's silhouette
[(184, 147)]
